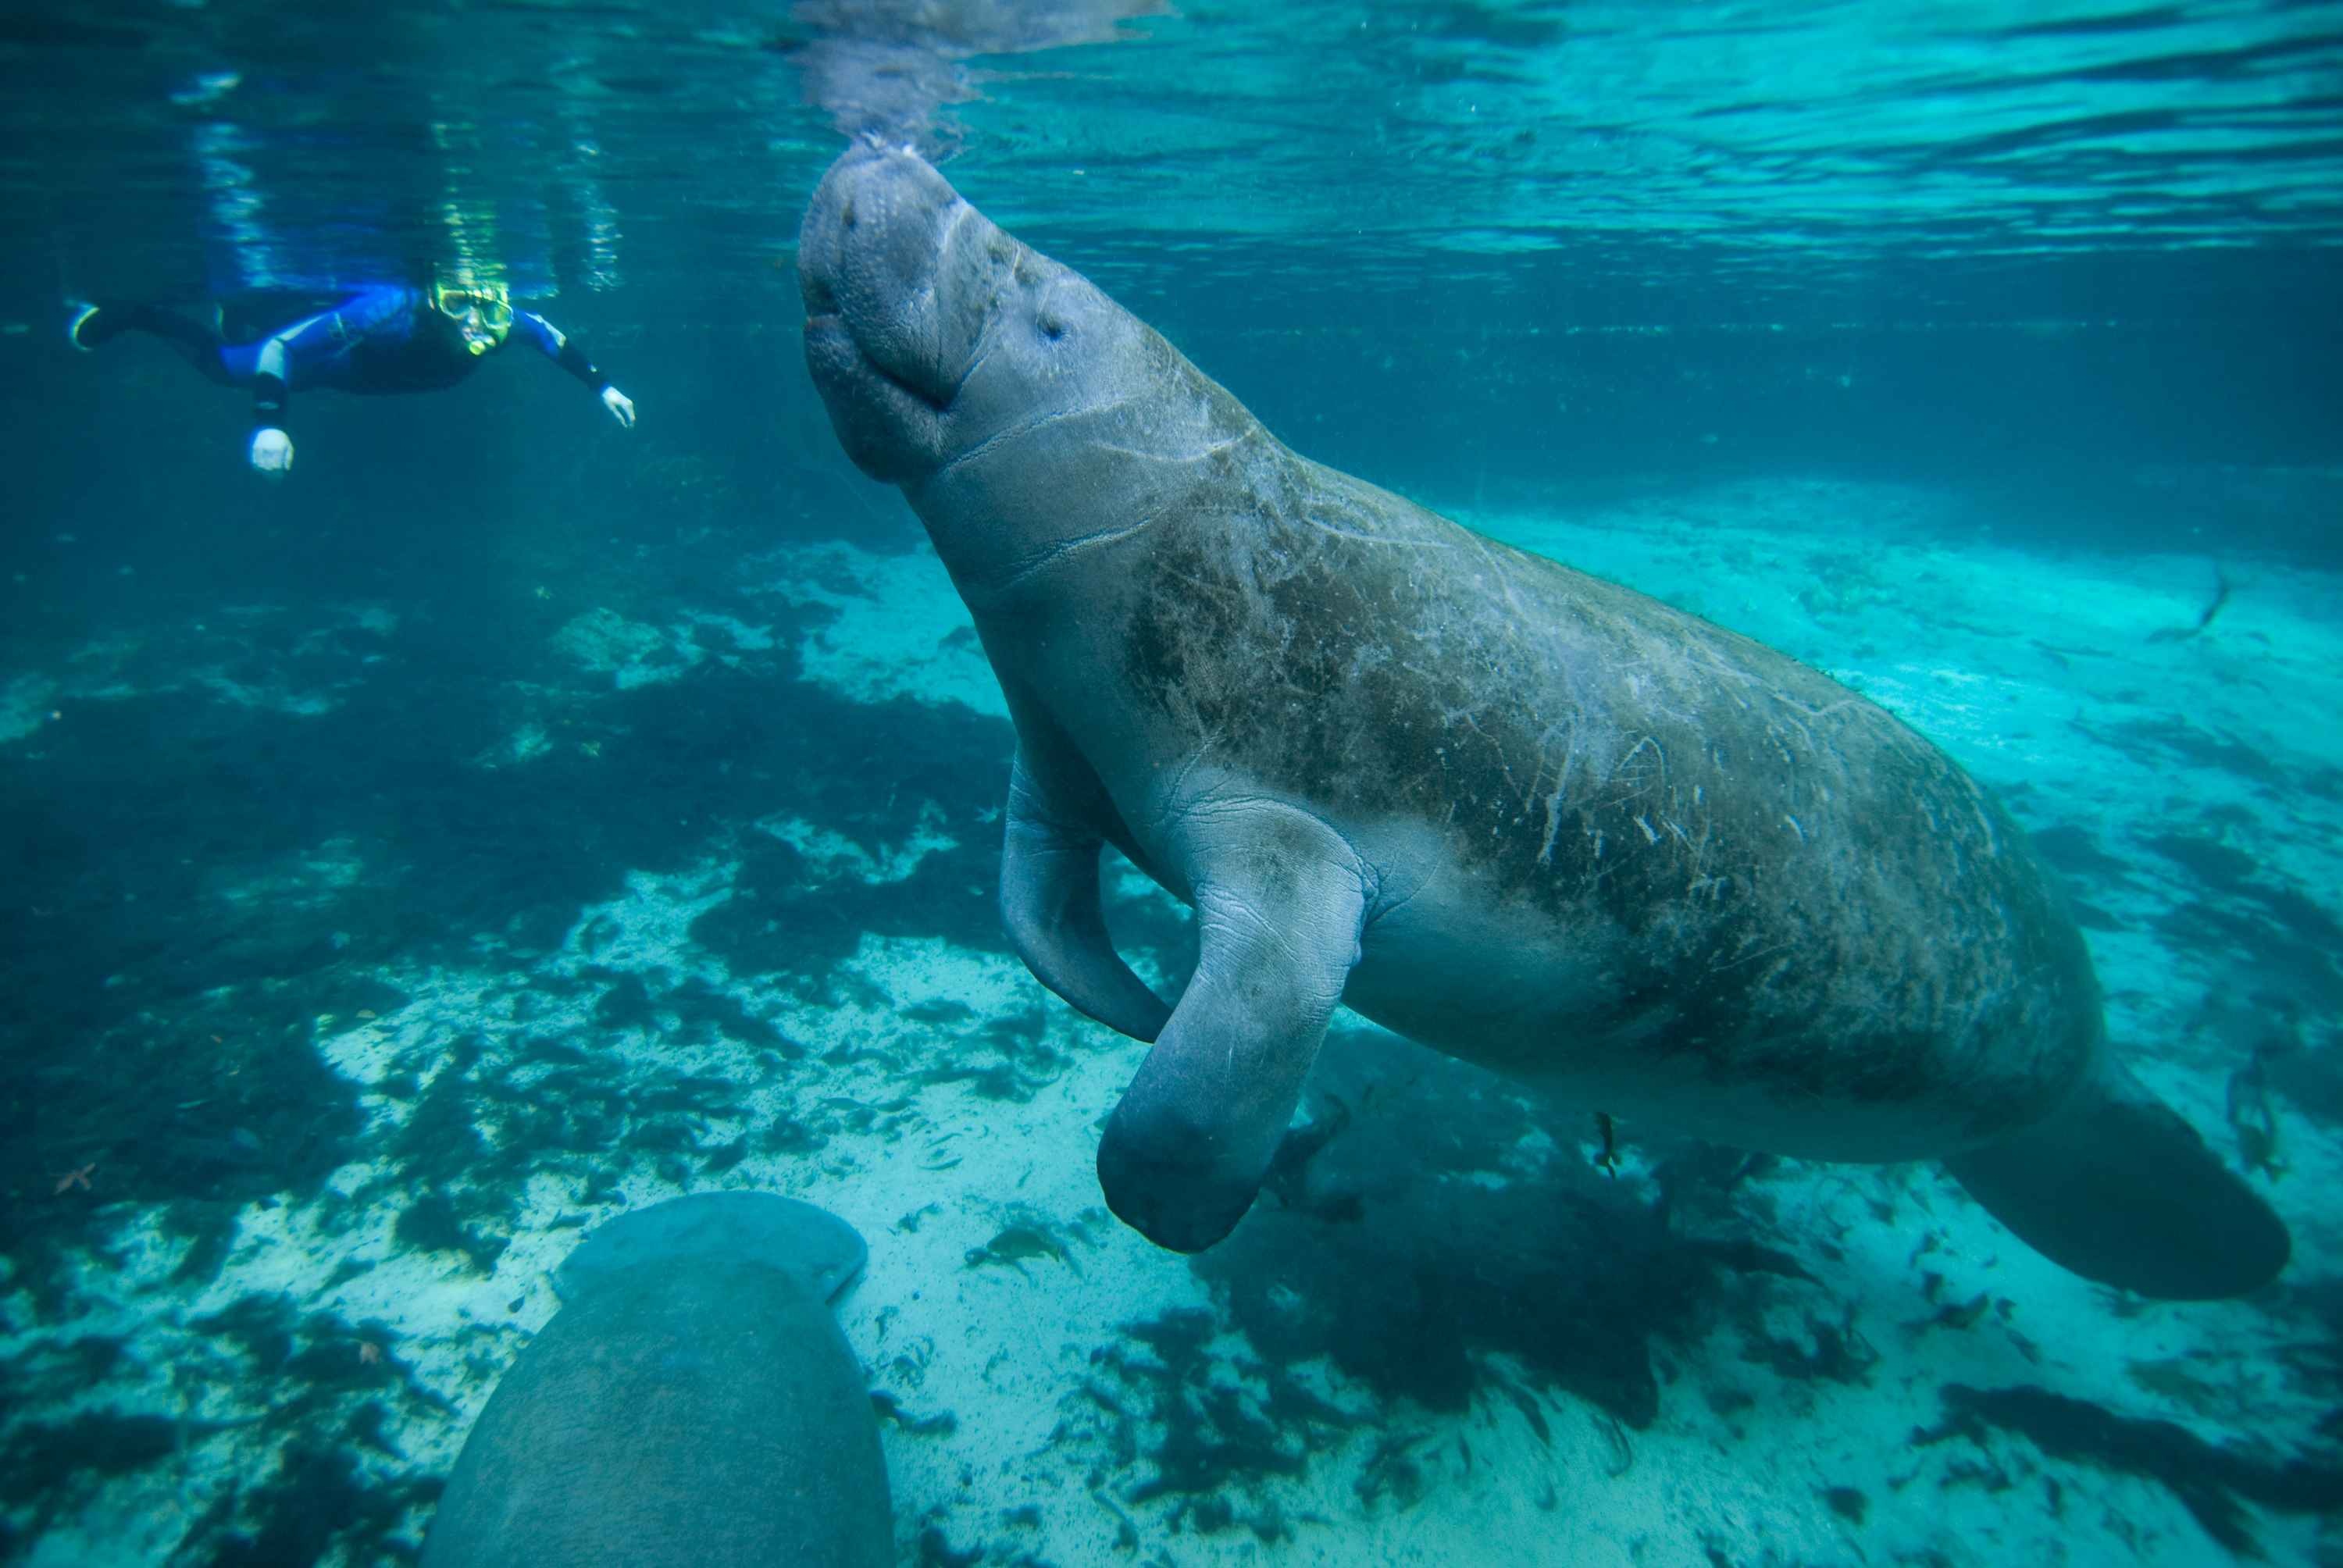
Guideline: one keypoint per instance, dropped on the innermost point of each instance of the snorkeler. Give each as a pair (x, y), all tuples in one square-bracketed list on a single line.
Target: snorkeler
[(383, 338)]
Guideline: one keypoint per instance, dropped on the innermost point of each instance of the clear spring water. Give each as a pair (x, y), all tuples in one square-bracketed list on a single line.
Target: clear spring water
[(509, 819)]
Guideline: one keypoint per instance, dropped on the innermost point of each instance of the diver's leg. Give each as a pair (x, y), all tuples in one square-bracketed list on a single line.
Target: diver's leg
[(94, 325)]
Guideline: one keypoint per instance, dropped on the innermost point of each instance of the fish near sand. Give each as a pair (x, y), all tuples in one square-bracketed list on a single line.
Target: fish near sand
[(692, 1404), (1518, 814)]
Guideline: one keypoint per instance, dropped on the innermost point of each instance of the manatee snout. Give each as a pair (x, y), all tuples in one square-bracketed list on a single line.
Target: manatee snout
[(868, 253), (891, 322)]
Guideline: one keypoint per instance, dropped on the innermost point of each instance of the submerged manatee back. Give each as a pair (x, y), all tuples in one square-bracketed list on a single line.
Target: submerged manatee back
[(693, 1405)]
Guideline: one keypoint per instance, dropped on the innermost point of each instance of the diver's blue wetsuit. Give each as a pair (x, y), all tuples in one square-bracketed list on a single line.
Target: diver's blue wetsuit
[(384, 338)]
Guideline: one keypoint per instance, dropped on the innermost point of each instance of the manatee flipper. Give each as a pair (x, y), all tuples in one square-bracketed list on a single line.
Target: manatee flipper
[(1278, 915), (1050, 901), (2115, 1186)]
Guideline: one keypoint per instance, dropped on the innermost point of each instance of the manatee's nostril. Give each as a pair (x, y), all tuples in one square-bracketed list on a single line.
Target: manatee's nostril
[(846, 218)]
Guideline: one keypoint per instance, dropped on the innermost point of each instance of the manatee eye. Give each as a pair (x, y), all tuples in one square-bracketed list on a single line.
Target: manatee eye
[(1052, 328)]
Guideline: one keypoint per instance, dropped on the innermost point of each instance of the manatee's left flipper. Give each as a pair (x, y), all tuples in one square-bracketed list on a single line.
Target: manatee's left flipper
[(1279, 902), (1049, 902)]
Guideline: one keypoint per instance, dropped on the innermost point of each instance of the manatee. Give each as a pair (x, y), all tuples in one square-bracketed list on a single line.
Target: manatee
[(1511, 811), (692, 1404)]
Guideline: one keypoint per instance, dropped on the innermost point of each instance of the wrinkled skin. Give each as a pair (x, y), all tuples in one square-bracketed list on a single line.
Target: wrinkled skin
[(1525, 817)]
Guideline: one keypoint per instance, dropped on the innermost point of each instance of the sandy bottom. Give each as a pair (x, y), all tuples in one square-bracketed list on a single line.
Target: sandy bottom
[(1000, 1295)]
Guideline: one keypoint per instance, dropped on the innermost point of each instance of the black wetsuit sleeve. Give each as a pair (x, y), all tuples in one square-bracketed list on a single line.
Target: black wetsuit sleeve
[(269, 396), (562, 350), (305, 345), (573, 359)]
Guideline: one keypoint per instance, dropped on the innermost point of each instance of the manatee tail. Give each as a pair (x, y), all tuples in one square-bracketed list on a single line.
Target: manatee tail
[(2115, 1186), (815, 1249)]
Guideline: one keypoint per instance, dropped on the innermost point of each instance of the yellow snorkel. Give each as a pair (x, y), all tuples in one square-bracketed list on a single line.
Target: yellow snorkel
[(482, 312)]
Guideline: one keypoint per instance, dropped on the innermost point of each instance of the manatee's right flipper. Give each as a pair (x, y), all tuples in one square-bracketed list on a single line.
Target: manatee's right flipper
[(1280, 901), (2117, 1188), (1050, 901)]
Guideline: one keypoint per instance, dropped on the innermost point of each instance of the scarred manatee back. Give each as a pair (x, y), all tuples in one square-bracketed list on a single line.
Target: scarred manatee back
[(693, 1405)]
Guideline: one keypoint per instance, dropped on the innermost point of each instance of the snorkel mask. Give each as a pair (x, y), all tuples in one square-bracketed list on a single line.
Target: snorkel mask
[(482, 312)]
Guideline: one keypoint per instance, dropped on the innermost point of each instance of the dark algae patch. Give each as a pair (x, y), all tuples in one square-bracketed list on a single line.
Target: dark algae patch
[(1216, 1436), (196, 1118), (320, 1499), (302, 1365), (2208, 1479), (430, 1224), (1009, 1059), (494, 1116), (321, 1393), (51, 1466)]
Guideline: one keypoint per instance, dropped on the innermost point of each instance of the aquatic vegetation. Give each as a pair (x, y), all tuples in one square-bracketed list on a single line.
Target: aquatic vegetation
[(1215, 1437), (890, 1409), (509, 820), (47, 1467), (1841, 584), (1015, 1244), (1027, 1062), (2208, 1478)]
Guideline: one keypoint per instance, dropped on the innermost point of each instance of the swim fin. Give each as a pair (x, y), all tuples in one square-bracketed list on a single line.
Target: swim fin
[(82, 317)]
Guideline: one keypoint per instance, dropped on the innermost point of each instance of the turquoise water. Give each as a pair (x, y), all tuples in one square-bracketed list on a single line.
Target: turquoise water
[(508, 820)]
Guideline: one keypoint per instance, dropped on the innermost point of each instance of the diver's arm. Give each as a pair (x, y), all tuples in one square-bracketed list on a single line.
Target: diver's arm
[(272, 380), (272, 448), (285, 354), (564, 351)]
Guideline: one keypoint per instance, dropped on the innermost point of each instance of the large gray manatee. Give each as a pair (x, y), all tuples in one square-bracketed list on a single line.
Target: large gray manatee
[(1521, 815), (692, 1405)]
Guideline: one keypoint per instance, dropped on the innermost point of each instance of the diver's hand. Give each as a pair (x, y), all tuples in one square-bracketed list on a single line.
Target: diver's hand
[(272, 452), (621, 407)]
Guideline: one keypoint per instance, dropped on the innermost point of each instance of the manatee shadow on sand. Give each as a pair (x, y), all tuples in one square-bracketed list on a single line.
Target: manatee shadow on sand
[(1423, 1238)]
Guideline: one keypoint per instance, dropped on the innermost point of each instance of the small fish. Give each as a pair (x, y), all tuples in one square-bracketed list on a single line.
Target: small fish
[(2254, 1121), (1962, 1314), (1608, 1161)]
